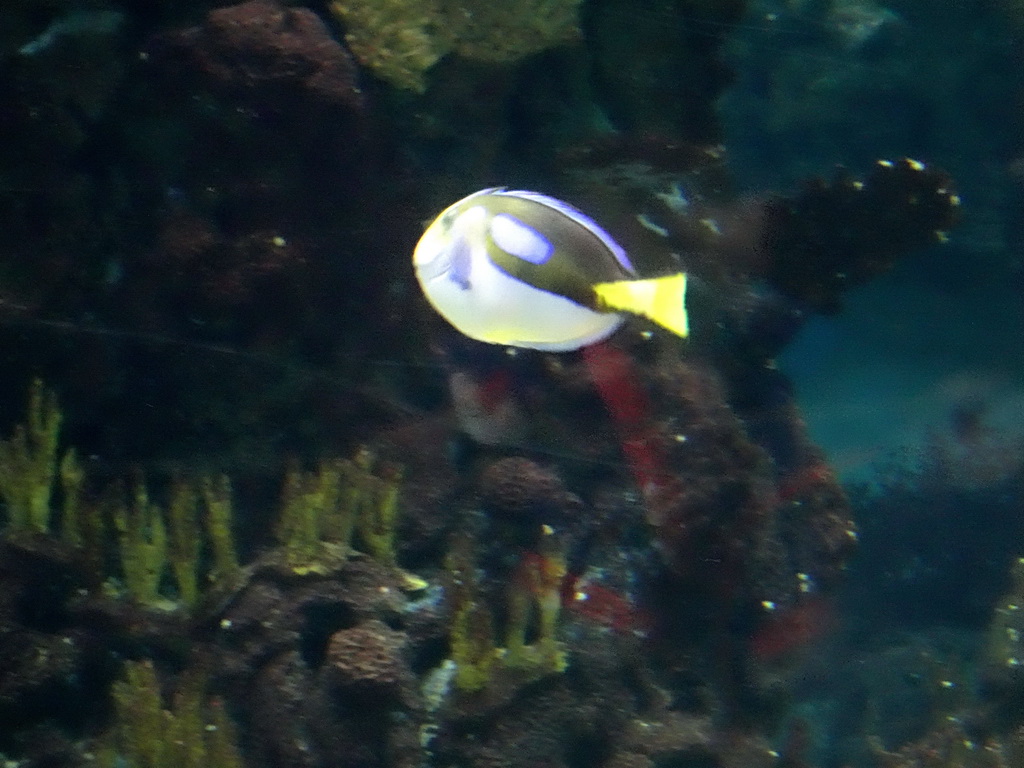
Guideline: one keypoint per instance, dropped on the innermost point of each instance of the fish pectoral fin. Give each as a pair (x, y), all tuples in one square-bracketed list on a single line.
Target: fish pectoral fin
[(661, 299)]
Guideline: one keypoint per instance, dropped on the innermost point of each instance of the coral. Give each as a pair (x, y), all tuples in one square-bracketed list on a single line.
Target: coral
[(311, 515), (221, 271), (950, 746), (321, 670), (29, 463), (534, 602), (723, 491), (46, 659), (321, 511), (216, 494), (1002, 670), (375, 499), (831, 237), (194, 732), (142, 539), (75, 521), (668, 736), (154, 545), (520, 490), (1006, 633), (368, 658), (400, 40), (618, 382), (605, 712), (472, 638), (184, 540), (262, 47), (536, 586), (507, 32)]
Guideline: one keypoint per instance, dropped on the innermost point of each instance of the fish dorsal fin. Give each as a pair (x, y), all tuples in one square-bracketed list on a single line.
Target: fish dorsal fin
[(661, 299)]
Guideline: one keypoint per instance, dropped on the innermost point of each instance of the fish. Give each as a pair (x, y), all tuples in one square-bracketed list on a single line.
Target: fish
[(523, 269)]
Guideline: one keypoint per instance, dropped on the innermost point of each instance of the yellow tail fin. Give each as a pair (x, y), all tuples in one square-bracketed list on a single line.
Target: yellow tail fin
[(661, 299)]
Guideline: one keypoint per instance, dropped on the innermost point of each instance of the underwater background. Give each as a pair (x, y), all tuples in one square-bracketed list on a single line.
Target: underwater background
[(262, 506)]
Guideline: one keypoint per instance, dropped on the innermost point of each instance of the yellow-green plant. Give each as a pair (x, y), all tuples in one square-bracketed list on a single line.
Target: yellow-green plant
[(184, 539), (535, 600), (216, 493), (28, 463), (399, 41), (142, 543), (151, 546), (533, 603), (471, 634), (73, 523), (377, 515), (322, 510), (311, 505), (195, 731), (81, 520)]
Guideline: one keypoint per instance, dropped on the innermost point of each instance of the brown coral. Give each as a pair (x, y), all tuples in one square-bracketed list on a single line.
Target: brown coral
[(519, 489), (832, 236), (262, 46), (725, 492), (367, 658)]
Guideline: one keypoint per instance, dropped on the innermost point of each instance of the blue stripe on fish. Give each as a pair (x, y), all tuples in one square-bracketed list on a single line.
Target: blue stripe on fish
[(461, 264), (520, 240), (578, 216)]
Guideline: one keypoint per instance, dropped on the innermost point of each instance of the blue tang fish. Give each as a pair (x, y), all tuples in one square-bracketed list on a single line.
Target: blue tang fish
[(526, 270)]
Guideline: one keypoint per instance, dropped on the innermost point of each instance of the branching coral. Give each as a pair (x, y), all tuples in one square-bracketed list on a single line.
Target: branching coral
[(153, 543), (216, 493), (322, 510), (142, 535), (28, 463), (472, 638), (534, 606), (378, 514), (194, 731), (536, 588), (401, 39)]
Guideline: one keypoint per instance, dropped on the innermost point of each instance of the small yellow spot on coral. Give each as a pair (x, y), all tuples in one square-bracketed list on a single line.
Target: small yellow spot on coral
[(413, 583)]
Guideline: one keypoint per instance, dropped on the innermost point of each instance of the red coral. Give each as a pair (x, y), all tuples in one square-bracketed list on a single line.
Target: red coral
[(606, 607), (793, 628), (620, 388)]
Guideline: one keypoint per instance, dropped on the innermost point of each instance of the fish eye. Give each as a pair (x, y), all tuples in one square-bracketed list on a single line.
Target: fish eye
[(448, 218)]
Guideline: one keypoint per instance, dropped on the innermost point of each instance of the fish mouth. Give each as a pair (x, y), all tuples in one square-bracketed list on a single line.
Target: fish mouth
[(442, 274), (433, 268)]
